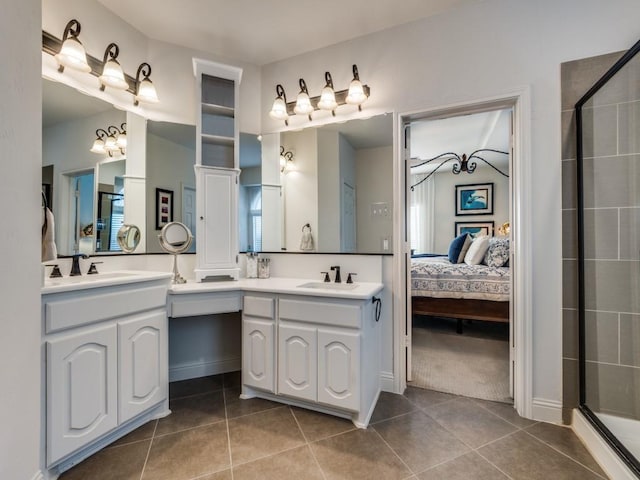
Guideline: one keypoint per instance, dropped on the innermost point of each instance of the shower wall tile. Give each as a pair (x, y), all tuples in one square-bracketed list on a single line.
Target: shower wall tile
[(613, 389), (616, 283), (599, 132), (612, 181), (568, 135), (630, 233), (629, 126), (622, 87), (601, 336), (570, 284), (569, 334), (569, 234), (578, 76), (570, 382), (630, 339), (569, 186), (601, 233)]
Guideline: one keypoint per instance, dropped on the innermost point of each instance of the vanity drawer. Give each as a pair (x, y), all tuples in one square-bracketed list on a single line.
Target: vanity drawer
[(259, 306), (323, 312), (97, 305), (189, 305)]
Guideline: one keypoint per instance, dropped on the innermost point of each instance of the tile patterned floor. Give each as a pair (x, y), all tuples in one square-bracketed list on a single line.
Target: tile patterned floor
[(422, 435)]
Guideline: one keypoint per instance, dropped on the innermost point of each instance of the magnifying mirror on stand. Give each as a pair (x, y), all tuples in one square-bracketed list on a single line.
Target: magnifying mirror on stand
[(128, 238), (175, 238)]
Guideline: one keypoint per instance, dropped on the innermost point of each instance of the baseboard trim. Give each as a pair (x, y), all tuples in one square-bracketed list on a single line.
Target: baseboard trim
[(202, 369), (387, 382), (610, 462), (545, 410)]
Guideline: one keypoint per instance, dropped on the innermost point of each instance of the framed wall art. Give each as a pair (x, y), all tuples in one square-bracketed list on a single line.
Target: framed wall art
[(474, 199), (474, 229), (164, 207)]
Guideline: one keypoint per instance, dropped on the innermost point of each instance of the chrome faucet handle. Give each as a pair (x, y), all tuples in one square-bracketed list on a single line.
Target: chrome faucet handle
[(349, 279), (326, 277), (337, 270)]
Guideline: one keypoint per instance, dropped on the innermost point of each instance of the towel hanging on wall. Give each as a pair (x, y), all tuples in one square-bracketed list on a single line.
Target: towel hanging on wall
[(306, 242), (49, 250)]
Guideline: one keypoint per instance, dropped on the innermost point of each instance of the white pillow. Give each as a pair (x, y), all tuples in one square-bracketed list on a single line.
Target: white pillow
[(477, 250)]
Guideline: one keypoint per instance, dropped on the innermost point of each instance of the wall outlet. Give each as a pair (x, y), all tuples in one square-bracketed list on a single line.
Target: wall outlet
[(385, 244)]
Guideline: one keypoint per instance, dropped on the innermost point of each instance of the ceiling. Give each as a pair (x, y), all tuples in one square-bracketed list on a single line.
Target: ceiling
[(262, 32)]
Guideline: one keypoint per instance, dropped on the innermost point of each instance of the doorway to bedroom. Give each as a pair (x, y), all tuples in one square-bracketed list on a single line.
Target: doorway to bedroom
[(459, 208)]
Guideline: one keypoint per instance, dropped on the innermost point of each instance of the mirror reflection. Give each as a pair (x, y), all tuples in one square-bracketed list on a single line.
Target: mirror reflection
[(250, 194), (128, 238), (336, 186)]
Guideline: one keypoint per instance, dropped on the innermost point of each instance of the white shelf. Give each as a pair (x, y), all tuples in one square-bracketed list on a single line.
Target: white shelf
[(217, 140), (220, 110)]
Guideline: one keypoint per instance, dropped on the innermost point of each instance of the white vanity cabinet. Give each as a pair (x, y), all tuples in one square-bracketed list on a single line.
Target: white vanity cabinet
[(105, 370), (325, 352)]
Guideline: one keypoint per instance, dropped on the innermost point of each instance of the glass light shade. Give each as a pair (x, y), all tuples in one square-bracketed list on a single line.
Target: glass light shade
[(98, 146), (279, 109), (73, 55), (110, 144), (327, 99), (121, 140), (356, 94), (283, 162), (303, 104), (147, 92), (113, 76)]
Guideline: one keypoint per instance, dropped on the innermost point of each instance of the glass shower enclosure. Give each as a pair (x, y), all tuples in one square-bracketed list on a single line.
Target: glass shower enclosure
[(608, 132)]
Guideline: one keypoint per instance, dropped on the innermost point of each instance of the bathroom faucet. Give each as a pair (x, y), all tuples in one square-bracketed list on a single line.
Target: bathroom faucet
[(75, 265), (337, 269)]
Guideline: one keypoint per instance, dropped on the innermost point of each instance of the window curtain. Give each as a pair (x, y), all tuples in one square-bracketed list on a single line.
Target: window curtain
[(422, 214)]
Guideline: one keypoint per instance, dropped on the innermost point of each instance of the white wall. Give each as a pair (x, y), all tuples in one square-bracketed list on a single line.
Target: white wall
[(328, 231), (445, 207), (440, 61), (20, 144), (374, 170)]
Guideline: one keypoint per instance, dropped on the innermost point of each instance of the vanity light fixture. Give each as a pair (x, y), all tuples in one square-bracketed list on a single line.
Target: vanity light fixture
[(121, 138), (329, 99), (303, 102), (72, 53), (286, 160), (145, 91), (112, 74), (328, 96), (110, 144), (279, 108), (98, 143)]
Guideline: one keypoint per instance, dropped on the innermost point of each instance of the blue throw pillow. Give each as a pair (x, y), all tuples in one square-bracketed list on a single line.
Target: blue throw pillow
[(459, 247)]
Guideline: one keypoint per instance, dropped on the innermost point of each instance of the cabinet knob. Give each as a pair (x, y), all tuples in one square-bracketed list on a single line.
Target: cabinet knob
[(201, 217)]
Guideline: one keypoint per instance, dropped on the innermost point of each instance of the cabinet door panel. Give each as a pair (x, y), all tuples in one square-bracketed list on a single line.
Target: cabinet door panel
[(143, 372), (258, 353), (81, 389), (297, 361), (339, 368)]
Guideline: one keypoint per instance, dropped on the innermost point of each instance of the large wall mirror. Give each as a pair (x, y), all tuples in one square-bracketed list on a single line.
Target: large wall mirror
[(335, 180)]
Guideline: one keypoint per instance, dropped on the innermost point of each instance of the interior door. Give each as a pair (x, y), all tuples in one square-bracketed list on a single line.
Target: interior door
[(407, 248)]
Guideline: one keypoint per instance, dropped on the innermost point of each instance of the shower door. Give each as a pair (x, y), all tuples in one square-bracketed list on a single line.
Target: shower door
[(608, 128)]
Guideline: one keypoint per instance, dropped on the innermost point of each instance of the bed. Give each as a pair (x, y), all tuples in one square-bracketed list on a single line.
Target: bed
[(440, 288)]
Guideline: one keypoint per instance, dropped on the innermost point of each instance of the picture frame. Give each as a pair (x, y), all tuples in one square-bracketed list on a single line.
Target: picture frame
[(474, 228), (474, 199), (164, 207)]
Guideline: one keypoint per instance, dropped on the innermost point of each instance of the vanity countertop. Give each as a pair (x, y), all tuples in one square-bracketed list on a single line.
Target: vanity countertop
[(360, 290), (106, 279)]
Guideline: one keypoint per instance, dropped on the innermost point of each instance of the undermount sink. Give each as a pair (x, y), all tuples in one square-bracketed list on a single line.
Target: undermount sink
[(329, 286)]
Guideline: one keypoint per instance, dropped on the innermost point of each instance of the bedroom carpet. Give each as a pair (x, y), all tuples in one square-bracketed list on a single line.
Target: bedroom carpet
[(474, 364)]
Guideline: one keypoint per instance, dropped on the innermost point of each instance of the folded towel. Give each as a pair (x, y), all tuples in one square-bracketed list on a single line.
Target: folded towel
[(49, 250)]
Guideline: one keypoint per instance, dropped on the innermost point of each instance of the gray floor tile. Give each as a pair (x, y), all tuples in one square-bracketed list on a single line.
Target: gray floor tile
[(423, 398), (470, 466), (188, 454), (194, 386), (468, 421), (290, 465), (359, 454), (193, 411), (261, 434), (523, 457), (316, 425), (118, 463), (506, 412), (144, 432), (232, 379), (391, 405), (236, 407), (419, 440), (564, 440)]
